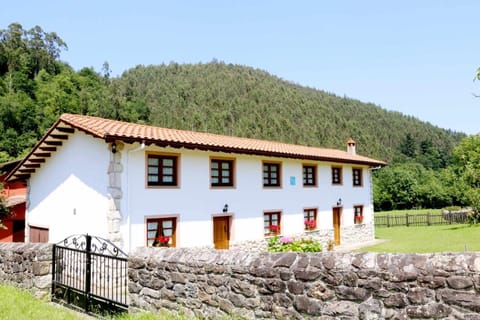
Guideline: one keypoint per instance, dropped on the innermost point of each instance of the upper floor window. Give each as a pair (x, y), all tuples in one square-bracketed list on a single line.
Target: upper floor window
[(357, 177), (162, 170), (221, 171), (271, 223), (271, 174), (161, 232), (336, 175), (358, 214), (309, 175), (310, 219)]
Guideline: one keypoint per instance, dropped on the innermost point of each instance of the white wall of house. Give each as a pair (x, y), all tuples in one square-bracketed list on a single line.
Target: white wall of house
[(194, 202), (67, 194)]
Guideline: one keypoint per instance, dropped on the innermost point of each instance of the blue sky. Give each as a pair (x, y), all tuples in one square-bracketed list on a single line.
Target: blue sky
[(415, 57)]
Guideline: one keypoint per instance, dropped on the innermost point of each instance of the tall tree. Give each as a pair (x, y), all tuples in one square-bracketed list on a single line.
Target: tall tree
[(23, 53), (466, 163), (408, 146)]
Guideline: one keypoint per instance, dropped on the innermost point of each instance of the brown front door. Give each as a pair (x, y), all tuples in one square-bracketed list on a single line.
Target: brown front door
[(221, 232), (38, 234), (336, 225)]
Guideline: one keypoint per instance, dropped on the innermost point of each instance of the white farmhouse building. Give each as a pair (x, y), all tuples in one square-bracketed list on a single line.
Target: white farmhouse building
[(141, 185)]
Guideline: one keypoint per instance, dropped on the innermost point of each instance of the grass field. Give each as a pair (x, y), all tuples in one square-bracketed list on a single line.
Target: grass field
[(21, 305), (16, 304), (442, 238)]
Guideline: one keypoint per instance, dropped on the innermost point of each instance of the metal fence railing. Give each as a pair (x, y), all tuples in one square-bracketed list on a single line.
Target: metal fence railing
[(421, 219), (90, 273)]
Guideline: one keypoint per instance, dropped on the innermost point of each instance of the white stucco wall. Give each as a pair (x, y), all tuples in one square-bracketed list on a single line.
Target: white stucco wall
[(194, 202), (68, 194)]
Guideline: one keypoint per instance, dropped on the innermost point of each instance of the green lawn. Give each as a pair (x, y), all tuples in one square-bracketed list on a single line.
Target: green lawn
[(442, 238), (17, 304), (20, 305)]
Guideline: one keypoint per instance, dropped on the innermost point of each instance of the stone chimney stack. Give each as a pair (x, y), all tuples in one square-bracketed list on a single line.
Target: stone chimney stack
[(351, 147)]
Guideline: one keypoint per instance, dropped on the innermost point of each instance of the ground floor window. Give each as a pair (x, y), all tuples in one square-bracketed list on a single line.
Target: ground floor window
[(358, 214), (271, 223), (310, 219), (161, 232)]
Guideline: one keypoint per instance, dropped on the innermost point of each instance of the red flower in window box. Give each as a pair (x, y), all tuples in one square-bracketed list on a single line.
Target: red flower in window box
[(162, 241), (358, 218), (274, 228), (310, 224)]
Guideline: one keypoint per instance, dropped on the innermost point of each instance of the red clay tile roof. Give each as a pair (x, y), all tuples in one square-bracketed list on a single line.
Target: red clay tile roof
[(111, 130)]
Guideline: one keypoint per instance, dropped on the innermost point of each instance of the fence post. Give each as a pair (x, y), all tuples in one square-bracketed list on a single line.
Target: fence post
[(388, 221), (53, 268), (428, 218), (88, 271), (406, 219)]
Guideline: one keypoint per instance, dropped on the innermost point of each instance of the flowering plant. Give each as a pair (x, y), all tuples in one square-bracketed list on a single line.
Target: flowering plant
[(310, 224), (162, 240), (284, 244), (285, 240), (274, 228), (358, 219)]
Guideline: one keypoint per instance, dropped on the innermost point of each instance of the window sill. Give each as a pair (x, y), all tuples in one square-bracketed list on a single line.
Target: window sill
[(222, 187), (270, 235), (162, 187)]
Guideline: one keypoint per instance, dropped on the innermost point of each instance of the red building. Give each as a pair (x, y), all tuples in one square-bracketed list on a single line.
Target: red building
[(14, 193)]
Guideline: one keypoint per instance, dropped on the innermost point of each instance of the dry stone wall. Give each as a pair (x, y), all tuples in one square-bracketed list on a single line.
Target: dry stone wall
[(27, 266), (330, 285)]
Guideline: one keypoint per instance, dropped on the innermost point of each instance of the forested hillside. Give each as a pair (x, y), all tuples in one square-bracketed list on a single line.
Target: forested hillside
[(35, 88), (242, 101)]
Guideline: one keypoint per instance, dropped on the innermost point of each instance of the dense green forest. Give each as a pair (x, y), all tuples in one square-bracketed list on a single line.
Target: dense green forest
[(242, 101), (36, 87)]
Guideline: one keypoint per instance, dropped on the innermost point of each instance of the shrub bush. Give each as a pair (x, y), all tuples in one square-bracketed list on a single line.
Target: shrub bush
[(453, 208), (473, 218), (285, 244)]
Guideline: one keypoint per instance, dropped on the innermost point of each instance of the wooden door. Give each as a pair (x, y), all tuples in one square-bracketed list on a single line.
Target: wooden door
[(221, 232), (19, 231), (336, 225), (38, 234)]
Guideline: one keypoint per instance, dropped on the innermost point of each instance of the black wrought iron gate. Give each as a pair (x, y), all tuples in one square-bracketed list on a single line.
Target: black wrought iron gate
[(90, 273)]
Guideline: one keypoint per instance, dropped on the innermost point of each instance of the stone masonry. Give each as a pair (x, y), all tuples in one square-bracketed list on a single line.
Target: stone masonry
[(115, 195), (330, 285), (27, 266)]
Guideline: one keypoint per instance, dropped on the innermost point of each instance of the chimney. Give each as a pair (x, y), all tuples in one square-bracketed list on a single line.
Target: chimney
[(351, 147)]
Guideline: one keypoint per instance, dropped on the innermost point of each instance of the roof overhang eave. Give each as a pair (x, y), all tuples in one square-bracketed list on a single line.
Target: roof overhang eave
[(207, 147)]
